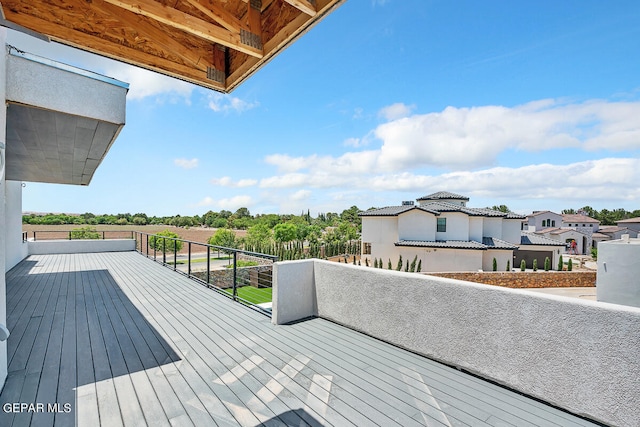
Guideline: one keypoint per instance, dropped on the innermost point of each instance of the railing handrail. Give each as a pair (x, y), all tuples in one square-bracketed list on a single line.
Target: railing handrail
[(69, 232), (222, 248), (206, 280)]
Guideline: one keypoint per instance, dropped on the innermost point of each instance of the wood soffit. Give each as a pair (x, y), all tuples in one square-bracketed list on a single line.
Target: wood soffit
[(216, 44)]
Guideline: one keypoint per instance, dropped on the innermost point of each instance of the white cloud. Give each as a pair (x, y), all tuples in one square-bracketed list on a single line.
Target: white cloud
[(144, 83), (226, 181), (396, 111), (352, 142), (300, 195), (231, 203), (186, 164), (221, 103)]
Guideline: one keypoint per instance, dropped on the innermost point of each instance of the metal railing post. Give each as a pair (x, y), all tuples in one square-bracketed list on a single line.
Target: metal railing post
[(189, 260), (208, 265), (235, 276), (69, 235), (175, 254), (164, 250)]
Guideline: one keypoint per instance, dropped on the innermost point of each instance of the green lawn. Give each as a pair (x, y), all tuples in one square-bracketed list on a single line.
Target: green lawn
[(253, 295)]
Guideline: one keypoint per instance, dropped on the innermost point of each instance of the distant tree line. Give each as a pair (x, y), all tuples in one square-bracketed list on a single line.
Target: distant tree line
[(605, 216)]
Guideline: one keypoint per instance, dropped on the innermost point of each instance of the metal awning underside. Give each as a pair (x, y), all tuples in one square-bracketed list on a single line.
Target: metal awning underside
[(61, 121), (213, 43)]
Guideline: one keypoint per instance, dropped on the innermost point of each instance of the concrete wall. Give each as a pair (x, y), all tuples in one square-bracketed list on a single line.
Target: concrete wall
[(579, 355), (41, 247), (476, 228), (16, 249), (619, 272), (382, 233)]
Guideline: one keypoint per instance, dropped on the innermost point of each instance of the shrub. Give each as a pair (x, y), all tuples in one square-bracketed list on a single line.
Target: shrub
[(547, 264), (412, 268), (495, 264), (399, 266), (594, 253), (560, 264), (165, 245), (523, 265), (389, 266), (85, 233), (535, 264), (419, 266), (406, 267), (508, 265), (570, 265)]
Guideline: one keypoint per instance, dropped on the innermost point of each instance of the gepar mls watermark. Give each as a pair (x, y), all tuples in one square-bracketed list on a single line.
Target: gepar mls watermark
[(36, 407)]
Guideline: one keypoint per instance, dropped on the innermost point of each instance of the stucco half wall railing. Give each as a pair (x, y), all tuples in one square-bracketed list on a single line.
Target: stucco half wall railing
[(578, 355)]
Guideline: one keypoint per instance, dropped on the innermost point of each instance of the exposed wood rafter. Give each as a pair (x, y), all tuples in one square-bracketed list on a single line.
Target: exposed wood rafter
[(188, 23), (303, 5)]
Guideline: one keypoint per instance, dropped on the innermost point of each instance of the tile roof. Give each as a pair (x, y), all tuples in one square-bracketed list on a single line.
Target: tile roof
[(487, 243), (629, 220), (536, 239), (536, 213), (395, 210), (443, 195), (437, 207), (577, 218), (493, 243)]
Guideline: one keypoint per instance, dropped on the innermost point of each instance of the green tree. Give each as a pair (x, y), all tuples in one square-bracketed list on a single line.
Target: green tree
[(535, 264), (224, 237), (389, 266), (501, 208), (547, 264), (412, 268), (419, 269), (399, 266), (570, 265), (85, 233), (285, 232), (523, 265), (560, 263), (164, 241), (508, 265), (258, 234), (495, 264)]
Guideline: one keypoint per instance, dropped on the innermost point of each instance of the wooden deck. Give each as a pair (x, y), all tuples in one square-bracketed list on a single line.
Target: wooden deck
[(116, 339)]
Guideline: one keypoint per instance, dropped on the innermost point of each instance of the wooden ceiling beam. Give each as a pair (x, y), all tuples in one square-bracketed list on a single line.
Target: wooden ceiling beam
[(191, 25), (153, 36), (304, 6), (219, 15), (95, 44)]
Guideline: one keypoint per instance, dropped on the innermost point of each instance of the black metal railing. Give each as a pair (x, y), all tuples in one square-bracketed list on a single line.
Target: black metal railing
[(78, 234), (244, 276)]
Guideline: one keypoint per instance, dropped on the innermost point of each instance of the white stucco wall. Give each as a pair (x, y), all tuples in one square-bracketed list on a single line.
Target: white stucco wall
[(476, 228), (440, 260), (42, 247), (511, 230), (618, 278), (3, 224), (457, 227), (576, 354), (382, 233), (417, 225), (16, 249), (501, 260), (493, 227)]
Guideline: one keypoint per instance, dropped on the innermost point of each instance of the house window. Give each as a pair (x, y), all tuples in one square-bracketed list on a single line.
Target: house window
[(441, 225), (553, 223), (366, 249)]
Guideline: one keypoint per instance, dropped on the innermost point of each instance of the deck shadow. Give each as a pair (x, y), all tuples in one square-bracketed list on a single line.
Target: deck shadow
[(70, 329)]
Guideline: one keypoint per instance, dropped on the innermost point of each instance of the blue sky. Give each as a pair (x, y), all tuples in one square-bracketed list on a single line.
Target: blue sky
[(535, 105)]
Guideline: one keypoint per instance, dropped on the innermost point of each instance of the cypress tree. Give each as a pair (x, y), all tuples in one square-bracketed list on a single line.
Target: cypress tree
[(419, 266), (560, 263), (535, 264), (570, 265), (495, 264), (523, 265), (547, 264), (389, 266), (508, 265), (399, 266), (413, 264)]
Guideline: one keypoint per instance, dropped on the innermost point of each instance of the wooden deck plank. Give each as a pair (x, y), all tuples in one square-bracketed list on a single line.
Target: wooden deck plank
[(151, 347)]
